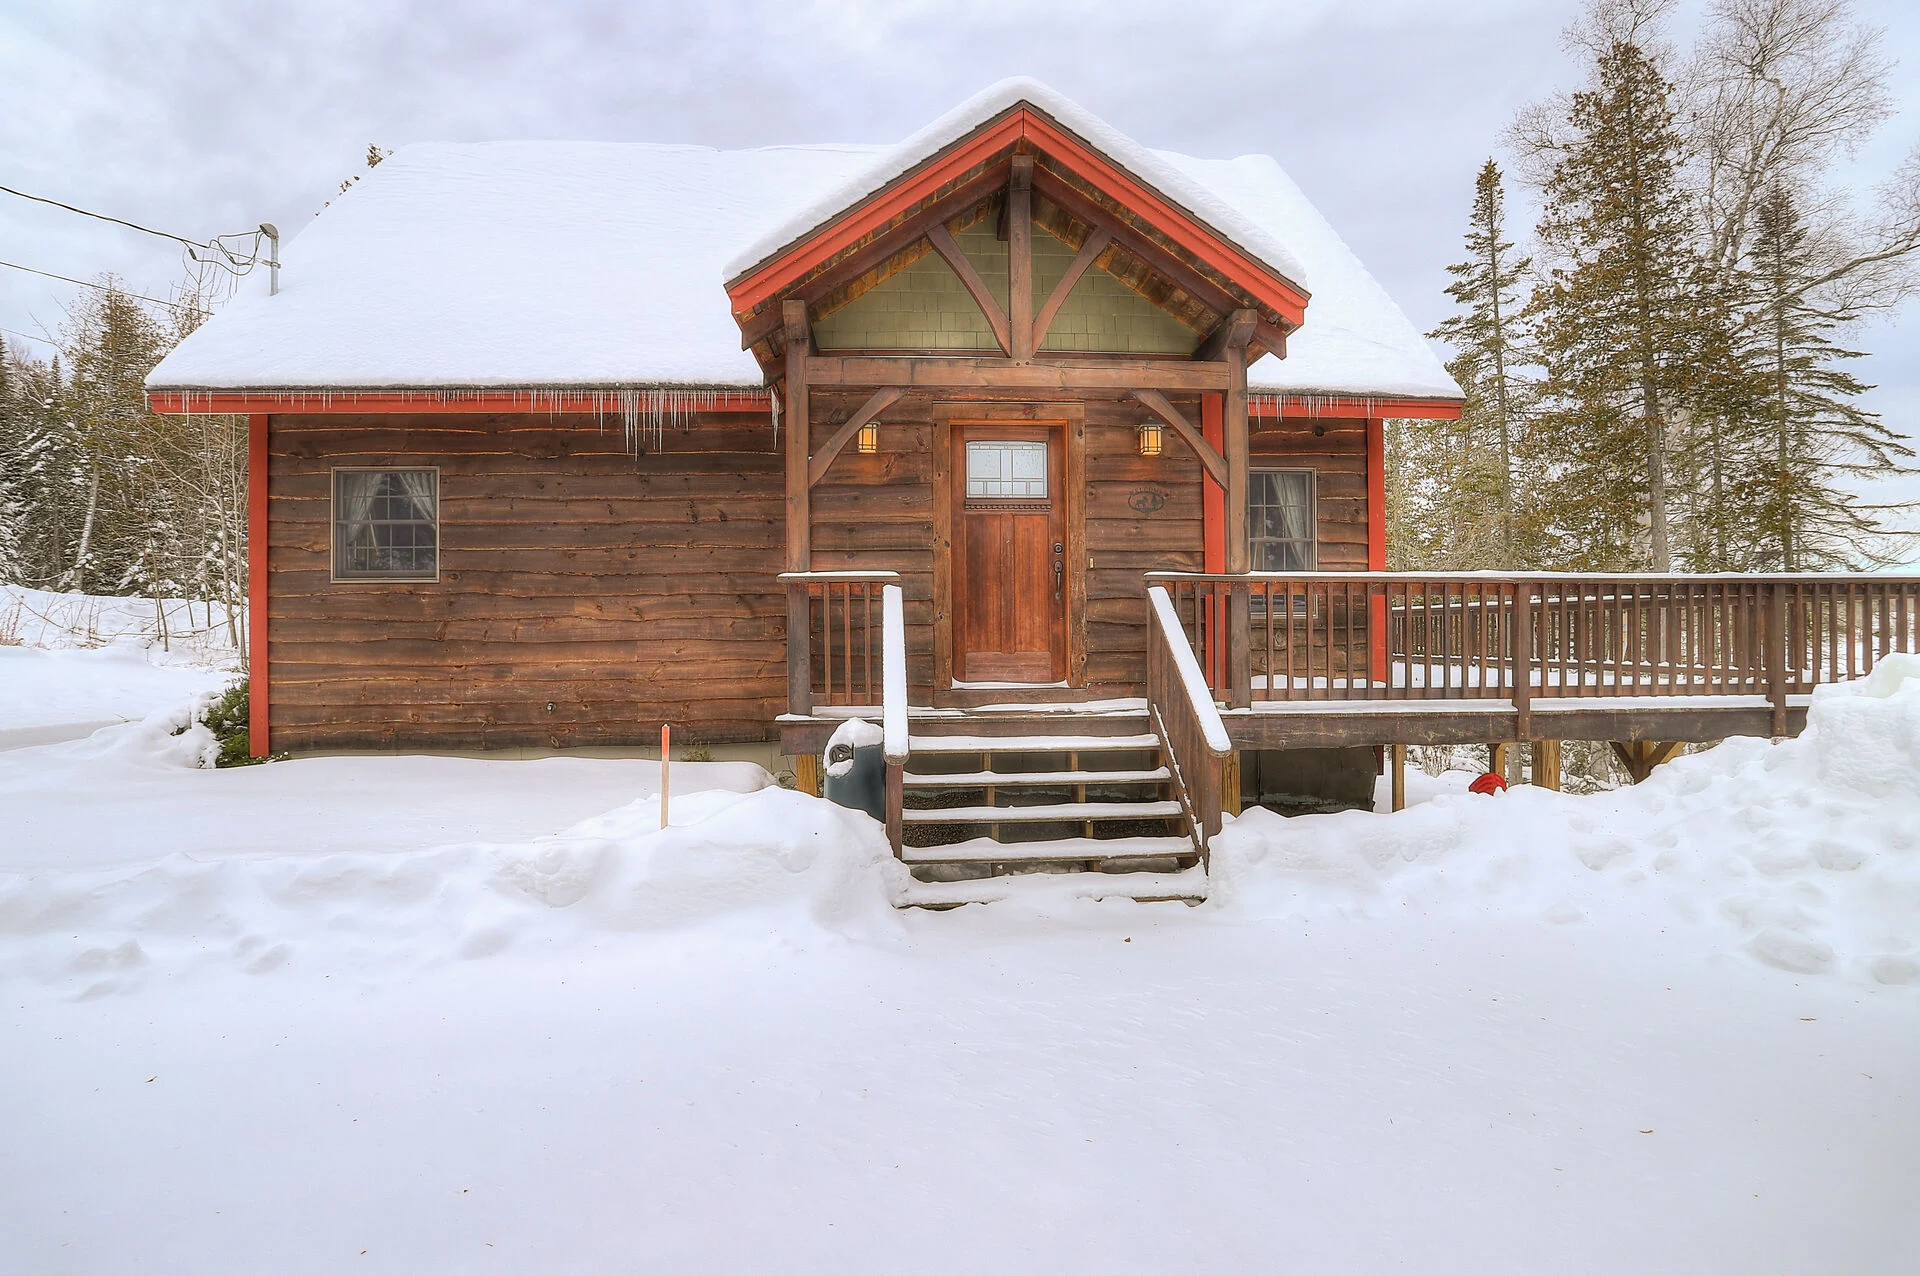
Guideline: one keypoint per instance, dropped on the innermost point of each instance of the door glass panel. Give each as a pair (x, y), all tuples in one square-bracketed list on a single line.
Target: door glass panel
[(1006, 469)]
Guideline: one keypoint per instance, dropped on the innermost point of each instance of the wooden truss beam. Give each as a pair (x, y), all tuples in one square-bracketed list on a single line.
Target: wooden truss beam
[(882, 399), (1097, 240), (1020, 258), (961, 372), (943, 243), (1156, 403)]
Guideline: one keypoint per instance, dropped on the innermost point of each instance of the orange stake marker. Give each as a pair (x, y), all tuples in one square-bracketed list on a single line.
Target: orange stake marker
[(666, 753)]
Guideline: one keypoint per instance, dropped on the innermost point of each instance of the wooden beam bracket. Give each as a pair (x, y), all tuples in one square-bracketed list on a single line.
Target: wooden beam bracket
[(1156, 403), (883, 398)]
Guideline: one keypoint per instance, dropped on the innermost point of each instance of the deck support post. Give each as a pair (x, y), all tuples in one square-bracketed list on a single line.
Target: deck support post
[(1497, 758), (1546, 764), (1775, 649), (806, 774), (1523, 652), (799, 552), (896, 808), (1398, 768), (1230, 783)]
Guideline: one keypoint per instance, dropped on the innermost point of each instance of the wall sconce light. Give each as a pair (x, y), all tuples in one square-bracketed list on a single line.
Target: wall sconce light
[(1150, 438), (869, 438)]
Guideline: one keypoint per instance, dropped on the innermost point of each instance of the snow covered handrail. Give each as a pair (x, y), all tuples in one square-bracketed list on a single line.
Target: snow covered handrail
[(1182, 713), (830, 647), (893, 674)]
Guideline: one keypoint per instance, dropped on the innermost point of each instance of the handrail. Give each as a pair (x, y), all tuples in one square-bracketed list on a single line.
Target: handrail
[(1181, 711), (1471, 577), (1192, 681)]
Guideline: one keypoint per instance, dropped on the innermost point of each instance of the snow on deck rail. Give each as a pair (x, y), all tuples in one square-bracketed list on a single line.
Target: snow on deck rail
[(893, 674)]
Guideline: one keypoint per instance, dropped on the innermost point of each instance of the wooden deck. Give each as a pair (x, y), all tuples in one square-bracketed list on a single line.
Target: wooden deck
[(1327, 660)]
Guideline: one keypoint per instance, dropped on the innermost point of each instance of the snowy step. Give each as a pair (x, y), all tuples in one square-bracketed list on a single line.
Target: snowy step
[(1015, 779), (981, 850), (1189, 887), (1031, 743), (1051, 811)]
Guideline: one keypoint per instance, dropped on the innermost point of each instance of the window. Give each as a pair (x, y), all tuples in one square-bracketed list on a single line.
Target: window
[(1006, 470), (1280, 521), (386, 524)]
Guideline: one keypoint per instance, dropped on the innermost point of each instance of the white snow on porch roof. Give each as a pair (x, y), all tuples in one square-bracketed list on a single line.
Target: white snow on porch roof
[(517, 265)]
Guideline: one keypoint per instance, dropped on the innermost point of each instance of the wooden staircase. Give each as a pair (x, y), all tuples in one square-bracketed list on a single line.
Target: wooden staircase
[(1081, 803)]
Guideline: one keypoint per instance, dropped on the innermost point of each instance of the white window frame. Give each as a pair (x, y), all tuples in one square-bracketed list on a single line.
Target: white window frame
[(334, 524)]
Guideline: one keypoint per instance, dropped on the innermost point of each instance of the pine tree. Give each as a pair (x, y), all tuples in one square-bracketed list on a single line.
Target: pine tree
[(1480, 472), (1619, 319), (1819, 435)]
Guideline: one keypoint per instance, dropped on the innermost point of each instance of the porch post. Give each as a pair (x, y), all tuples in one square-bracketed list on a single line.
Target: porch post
[(1234, 423), (799, 335)]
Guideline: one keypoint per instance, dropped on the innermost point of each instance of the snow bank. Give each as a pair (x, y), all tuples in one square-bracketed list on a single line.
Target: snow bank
[(1803, 855), (749, 850), (72, 663), (196, 632)]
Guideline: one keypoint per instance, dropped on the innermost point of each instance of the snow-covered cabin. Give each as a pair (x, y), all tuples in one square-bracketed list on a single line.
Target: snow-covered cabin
[(554, 442)]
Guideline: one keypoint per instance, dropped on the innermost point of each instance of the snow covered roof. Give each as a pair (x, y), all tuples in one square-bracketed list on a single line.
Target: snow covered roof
[(1152, 167), (520, 265)]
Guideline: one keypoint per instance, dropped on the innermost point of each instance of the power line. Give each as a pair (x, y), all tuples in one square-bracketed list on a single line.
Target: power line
[(118, 221), (68, 279)]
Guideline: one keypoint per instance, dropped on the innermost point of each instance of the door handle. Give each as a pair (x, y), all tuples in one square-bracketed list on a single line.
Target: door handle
[(1059, 574)]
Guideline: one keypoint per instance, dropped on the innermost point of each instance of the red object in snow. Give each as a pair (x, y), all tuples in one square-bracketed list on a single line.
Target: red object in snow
[(1491, 782)]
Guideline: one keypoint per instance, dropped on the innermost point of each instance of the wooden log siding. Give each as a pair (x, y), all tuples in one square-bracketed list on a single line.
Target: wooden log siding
[(625, 592)]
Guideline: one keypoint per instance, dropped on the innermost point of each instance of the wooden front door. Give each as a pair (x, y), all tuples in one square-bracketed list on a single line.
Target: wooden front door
[(1009, 553)]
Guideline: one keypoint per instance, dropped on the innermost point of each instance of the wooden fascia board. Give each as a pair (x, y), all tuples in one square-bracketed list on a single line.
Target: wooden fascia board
[(1022, 122), (987, 373), (418, 402)]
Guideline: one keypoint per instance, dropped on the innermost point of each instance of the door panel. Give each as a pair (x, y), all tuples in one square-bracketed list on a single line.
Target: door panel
[(1009, 606)]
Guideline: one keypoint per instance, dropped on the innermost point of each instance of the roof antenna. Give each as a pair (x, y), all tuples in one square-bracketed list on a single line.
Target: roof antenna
[(273, 257)]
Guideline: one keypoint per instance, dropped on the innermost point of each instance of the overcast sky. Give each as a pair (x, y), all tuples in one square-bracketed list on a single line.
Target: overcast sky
[(205, 117)]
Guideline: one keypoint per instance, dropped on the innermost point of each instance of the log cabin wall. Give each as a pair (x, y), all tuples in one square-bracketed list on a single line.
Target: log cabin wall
[(1335, 448), (622, 591), (1142, 514)]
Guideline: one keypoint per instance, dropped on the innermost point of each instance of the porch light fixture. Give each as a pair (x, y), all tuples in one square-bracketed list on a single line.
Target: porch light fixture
[(1150, 438), (869, 439)]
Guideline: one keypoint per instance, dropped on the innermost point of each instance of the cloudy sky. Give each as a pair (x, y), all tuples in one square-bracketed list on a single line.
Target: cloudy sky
[(206, 116)]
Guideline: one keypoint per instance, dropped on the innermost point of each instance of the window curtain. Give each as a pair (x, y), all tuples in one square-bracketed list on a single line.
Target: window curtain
[(418, 487)]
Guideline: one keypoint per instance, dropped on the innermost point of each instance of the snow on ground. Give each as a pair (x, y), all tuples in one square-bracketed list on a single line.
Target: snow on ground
[(71, 663), (428, 1014)]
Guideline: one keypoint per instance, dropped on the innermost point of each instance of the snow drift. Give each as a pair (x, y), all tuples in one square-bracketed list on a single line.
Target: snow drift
[(1802, 854)]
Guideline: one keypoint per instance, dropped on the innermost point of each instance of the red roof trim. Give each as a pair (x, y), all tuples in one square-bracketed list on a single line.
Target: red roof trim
[(341, 402), (845, 229)]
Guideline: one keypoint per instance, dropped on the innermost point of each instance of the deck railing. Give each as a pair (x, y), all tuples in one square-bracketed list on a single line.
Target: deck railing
[(834, 649), (1465, 636), (1181, 710)]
